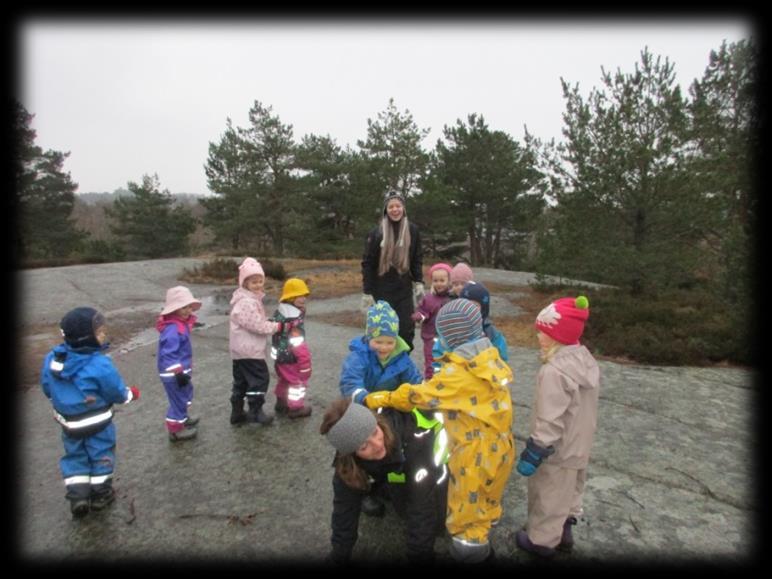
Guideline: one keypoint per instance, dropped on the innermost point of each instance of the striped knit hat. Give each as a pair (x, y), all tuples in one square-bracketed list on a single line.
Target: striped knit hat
[(458, 322)]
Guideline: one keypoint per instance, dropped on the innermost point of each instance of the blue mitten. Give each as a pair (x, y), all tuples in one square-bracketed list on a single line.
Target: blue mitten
[(532, 456)]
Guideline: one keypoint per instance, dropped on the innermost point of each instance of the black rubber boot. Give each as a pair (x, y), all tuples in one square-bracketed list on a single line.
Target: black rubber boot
[(101, 499), (255, 415), (567, 539), (237, 412), (79, 508)]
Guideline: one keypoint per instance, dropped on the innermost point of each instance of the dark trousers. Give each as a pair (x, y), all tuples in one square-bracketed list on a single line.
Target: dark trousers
[(250, 380)]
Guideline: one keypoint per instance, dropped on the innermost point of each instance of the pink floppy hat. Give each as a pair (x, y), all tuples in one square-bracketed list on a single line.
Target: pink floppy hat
[(179, 297)]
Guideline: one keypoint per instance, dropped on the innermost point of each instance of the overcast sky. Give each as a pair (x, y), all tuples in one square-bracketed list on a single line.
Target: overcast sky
[(128, 98)]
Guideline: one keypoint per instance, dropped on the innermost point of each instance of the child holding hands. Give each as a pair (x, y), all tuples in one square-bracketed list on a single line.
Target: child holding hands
[(290, 351), (427, 310), (471, 391), (562, 428), (249, 329)]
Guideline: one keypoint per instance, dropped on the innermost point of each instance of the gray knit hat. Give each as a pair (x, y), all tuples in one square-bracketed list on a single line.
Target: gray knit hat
[(352, 430)]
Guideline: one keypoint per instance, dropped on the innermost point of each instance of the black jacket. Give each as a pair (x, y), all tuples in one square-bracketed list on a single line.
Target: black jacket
[(391, 285), (421, 502)]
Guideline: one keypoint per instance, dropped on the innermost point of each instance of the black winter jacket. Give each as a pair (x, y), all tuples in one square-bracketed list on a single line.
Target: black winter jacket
[(420, 499), (391, 285)]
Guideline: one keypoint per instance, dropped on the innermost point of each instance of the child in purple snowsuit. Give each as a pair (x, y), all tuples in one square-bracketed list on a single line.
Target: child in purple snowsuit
[(428, 308), (175, 360)]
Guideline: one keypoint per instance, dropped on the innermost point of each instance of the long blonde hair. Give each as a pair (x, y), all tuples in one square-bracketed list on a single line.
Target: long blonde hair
[(395, 251)]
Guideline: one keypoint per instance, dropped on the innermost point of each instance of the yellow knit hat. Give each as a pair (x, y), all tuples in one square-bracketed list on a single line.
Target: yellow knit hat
[(293, 288)]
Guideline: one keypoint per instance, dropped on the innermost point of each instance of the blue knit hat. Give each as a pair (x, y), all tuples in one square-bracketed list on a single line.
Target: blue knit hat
[(458, 322), (477, 292), (382, 320)]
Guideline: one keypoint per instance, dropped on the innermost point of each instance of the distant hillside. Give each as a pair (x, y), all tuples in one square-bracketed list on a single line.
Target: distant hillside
[(108, 198)]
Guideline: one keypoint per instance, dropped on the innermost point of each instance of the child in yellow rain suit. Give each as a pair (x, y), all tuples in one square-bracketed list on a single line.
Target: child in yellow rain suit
[(471, 391)]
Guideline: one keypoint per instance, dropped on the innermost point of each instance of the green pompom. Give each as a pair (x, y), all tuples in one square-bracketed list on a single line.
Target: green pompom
[(582, 303)]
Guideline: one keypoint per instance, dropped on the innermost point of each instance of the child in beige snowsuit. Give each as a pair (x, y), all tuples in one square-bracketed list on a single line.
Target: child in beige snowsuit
[(562, 427), (471, 391)]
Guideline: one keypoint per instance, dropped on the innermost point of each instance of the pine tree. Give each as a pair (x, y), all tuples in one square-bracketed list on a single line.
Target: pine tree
[(149, 223), (44, 195)]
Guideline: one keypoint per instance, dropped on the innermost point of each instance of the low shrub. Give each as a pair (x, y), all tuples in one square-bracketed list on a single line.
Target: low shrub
[(222, 270), (673, 327)]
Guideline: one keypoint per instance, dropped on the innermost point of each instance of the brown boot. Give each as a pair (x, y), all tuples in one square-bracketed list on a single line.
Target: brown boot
[(301, 412)]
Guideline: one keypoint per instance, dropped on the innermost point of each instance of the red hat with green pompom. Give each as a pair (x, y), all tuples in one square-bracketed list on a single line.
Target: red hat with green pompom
[(563, 320)]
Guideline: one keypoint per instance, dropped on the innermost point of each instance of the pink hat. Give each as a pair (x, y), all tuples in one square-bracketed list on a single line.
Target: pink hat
[(179, 297), (437, 266), (461, 272), (563, 320), (249, 267)]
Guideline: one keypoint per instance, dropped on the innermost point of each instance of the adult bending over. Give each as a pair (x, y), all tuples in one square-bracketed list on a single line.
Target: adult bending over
[(400, 454)]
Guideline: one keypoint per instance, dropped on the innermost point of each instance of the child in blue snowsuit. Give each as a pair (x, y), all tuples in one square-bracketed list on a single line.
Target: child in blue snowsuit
[(82, 384), (479, 294), (379, 360), (175, 360)]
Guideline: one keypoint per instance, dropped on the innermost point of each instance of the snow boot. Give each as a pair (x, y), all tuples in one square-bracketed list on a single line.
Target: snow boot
[(184, 434), (522, 540), (567, 539), (237, 412), (100, 500), (255, 415), (281, 406), (301, 412), (192, 421), (79, 508)]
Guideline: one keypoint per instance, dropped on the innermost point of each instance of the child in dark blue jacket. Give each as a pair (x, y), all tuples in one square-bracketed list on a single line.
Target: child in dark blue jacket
[(379, 360), (82, 384)]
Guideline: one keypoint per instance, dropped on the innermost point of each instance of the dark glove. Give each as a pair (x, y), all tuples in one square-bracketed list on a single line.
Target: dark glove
[(532, 456), (182, 379), (134, 392)]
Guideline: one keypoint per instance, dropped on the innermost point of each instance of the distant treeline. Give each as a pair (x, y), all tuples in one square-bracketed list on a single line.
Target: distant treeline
[(649, 191)]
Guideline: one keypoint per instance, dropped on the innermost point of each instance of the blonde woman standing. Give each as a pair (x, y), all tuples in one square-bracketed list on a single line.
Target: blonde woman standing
[(392, 264)]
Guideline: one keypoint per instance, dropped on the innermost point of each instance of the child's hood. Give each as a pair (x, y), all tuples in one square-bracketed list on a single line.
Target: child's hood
[(482, 359), (289, 311), (67, 362), (244, 294), (169, 319), (577, 363)]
